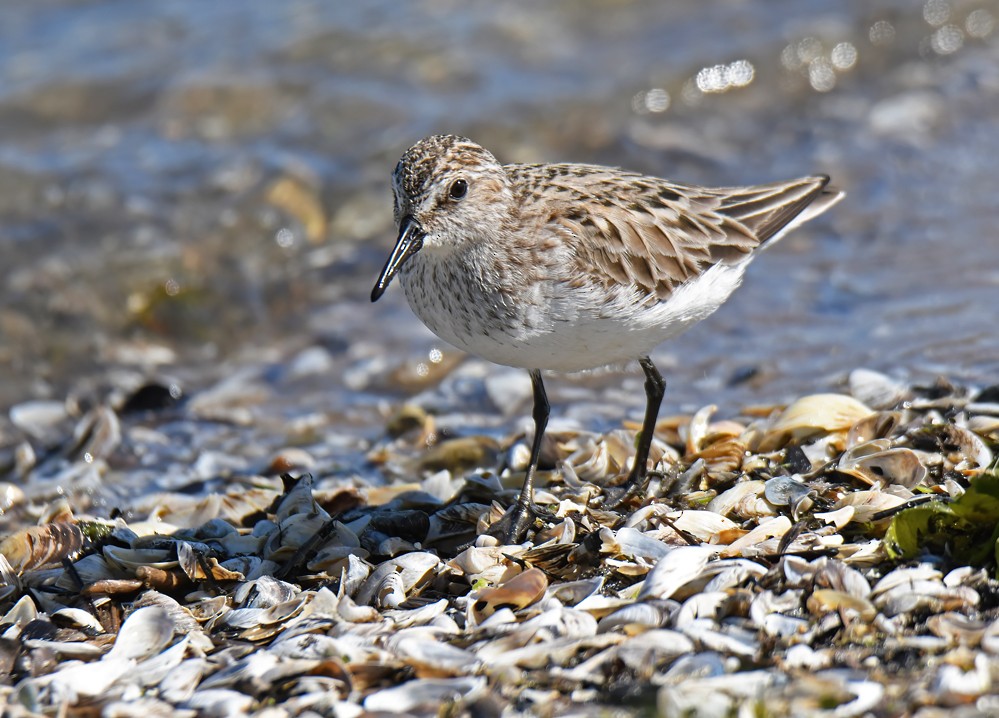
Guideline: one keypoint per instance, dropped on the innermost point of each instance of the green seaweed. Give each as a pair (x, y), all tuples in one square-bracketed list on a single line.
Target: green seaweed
[(964, 531)]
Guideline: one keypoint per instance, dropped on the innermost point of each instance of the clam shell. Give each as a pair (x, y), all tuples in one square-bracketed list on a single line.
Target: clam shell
[(145, 632), (677, 568), (813, 416)]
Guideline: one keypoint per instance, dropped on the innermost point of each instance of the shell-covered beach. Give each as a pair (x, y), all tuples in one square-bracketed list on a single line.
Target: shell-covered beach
[(230, 484)]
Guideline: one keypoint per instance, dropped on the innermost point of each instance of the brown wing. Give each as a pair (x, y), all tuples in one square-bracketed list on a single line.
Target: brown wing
[(655, 235)]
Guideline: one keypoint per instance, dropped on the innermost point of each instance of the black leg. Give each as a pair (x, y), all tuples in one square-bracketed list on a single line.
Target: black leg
[(525, 504), (655, 389)]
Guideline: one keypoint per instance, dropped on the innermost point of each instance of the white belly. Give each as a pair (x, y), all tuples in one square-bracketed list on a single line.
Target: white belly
[(558, 327)]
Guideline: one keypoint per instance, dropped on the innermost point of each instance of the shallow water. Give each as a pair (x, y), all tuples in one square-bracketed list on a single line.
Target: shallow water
[(196, 192)]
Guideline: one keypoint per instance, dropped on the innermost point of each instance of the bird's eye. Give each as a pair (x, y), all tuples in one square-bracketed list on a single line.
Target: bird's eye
[(459, 188)]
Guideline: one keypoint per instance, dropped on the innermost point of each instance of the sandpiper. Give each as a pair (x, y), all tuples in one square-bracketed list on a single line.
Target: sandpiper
[(568, 267)]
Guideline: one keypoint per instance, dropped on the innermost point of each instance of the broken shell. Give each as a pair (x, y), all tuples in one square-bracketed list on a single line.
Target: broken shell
[(813, 416), (875, 389), (637, 617), (876, 464), (680, 566), (414, 569), (745, 500)]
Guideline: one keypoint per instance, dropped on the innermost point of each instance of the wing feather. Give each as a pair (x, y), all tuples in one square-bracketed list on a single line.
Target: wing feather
[(653, 235)]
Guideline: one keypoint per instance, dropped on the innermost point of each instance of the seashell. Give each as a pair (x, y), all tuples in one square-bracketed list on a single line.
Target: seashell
[(957, 687), (789, 491), (705, 604), (571, 593), (77, 617), (153, 670), (475, 560), (723, 458), (811, 417), (64, 649), (40, 419), (706, 526), (294, 532), (868, 504), (351, 612), (592, 461), (962, 449), (680, 566), (390, 592), (875, 426), (416, 568), (837, 575), (12, 495), (96, 435), (21, 613), (959, 630), (515, 593), (745, 500), (800, 656), (559, 622), (875, 389), (332, 559), (876, 464), (990, 638), (427, 694), (41, 545), (650, 650), (144, 633), (75, 680), (825, 600), (299, 499), (732, 573), (129, 559), (432, 659), (182, 618), (250, 567), (690, 669), (731, 641), (966, 576), (986, 426), (424, 615), (265, 592), (636, 617), (353, 573), (924, 595), (561, 533), (906, 577), (197, 567), (180, 683), (218, 702), (779, 625), (748, 545), (697, 429), (839, 518), (312, 646), (632, 543)]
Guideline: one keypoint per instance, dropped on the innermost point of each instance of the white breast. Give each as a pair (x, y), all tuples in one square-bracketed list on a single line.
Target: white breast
[(556, 326)]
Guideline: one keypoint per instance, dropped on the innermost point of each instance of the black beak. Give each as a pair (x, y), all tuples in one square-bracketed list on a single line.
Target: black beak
[(410, 242)]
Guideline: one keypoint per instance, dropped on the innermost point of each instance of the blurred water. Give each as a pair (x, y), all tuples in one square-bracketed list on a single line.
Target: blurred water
[(188, 188)]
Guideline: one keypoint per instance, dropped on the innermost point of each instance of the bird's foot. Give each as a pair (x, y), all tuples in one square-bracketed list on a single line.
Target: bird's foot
[(630, 492), (512, 528)]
